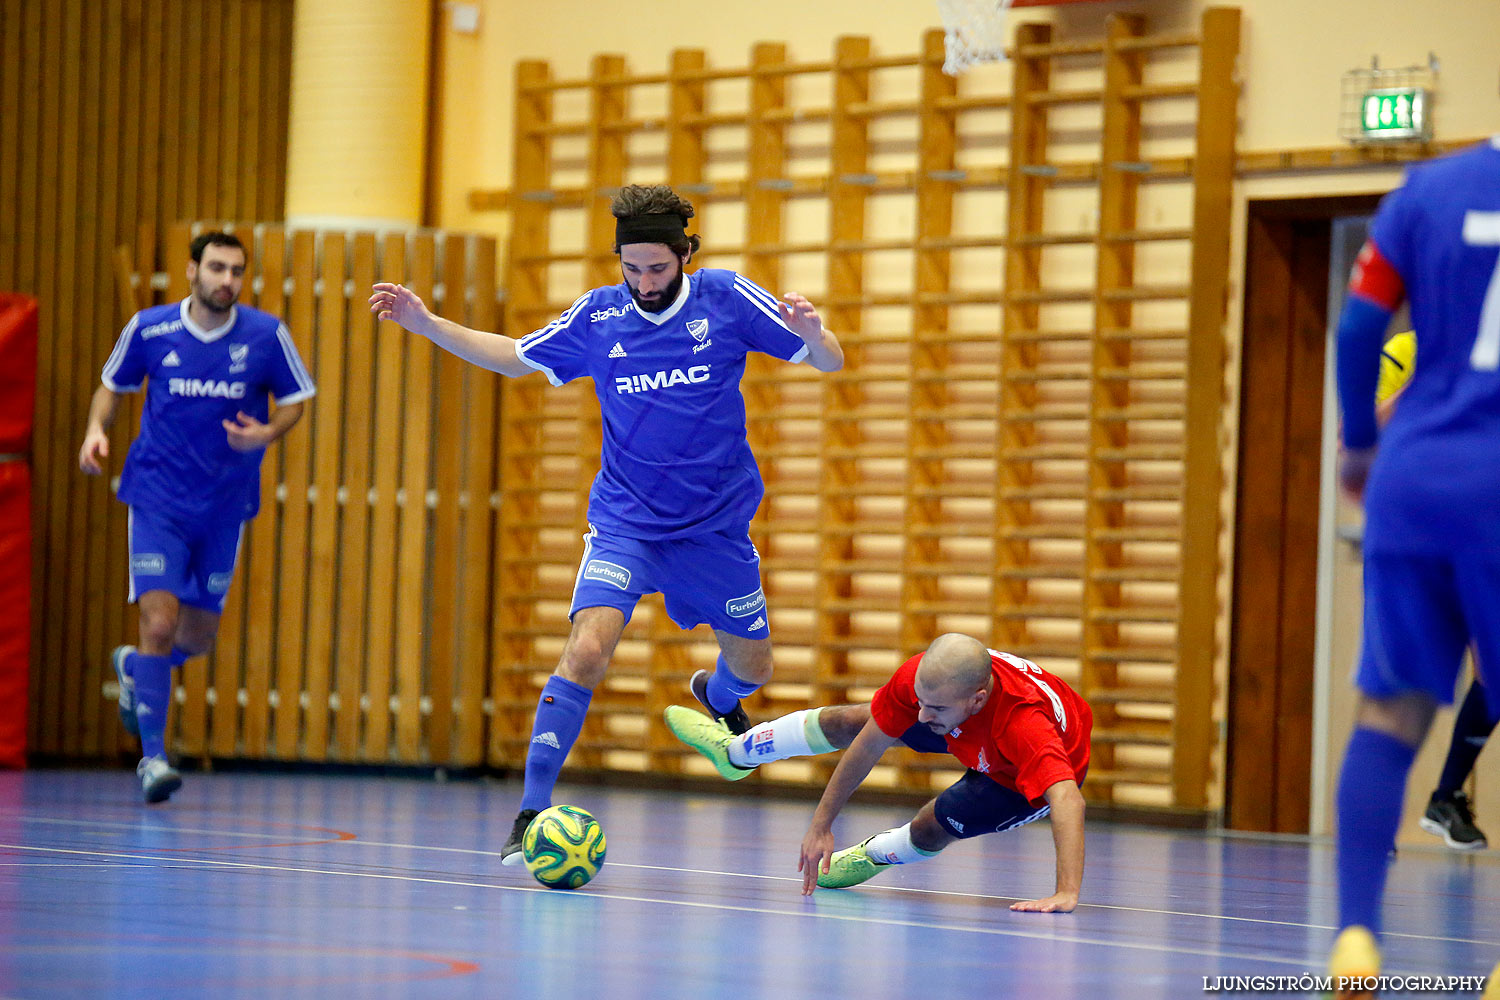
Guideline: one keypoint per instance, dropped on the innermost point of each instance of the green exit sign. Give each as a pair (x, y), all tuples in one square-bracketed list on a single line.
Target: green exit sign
[(1395, 113)]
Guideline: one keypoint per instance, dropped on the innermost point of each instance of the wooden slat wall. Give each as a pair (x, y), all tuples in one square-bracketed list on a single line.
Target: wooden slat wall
[(1029, 456), (117, 118)]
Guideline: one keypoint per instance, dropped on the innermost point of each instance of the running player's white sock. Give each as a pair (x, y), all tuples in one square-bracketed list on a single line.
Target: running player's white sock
[(894, 847), (795, 735)]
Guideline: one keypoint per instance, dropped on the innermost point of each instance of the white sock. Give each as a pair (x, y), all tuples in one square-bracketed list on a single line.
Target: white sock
[(894, 847), (795, 735)]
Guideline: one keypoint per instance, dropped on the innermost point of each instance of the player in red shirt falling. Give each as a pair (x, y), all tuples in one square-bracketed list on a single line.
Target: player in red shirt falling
[(1022, 733)]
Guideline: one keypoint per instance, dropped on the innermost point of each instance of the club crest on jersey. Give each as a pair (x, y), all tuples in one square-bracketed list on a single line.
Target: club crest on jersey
[(661, 379), (698, 328), (237, 355), (206, 387)]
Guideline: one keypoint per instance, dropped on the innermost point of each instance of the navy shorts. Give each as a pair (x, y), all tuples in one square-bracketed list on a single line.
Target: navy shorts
[(194, 560), (974, 804), (711, 579), (1420, 613)]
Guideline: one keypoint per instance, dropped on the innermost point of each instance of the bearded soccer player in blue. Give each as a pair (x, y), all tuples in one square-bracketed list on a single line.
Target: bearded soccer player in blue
[(1432, 541), (192, 476), (677, 486)]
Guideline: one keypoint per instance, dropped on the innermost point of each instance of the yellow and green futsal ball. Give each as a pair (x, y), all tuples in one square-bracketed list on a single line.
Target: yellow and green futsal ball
[(563, 847)]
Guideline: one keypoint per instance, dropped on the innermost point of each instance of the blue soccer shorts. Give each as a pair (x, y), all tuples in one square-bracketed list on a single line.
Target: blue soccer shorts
[(193, 559), (975, 804), (1420, 612), (711, 579)]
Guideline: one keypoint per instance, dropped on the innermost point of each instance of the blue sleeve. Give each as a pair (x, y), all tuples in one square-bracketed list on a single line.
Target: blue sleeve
[(558, 350), (126, 368), (760, 327), (290, 381), (1361, 334), (1392, 228)]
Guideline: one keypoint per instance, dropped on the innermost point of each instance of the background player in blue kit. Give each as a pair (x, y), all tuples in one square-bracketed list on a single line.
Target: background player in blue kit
[(192, 476), (677, 485), (1432, 542)]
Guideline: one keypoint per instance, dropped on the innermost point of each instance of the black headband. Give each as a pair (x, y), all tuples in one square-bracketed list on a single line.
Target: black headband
[(665, 228)]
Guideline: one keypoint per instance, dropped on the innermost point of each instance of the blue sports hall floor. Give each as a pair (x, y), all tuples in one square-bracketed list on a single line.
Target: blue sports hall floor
[(294, 885)]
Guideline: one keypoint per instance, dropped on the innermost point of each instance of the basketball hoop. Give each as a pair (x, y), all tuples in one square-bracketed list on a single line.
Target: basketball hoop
[(975, 32)]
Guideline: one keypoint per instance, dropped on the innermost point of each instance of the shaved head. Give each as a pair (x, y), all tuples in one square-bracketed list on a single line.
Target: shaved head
[(955, 663)]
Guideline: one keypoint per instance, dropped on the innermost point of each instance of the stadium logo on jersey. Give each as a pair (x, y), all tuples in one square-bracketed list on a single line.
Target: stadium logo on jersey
[(698, 328), (218, 583), (157, 329), (148, 564), (744, 607), (662, 379), (607, 572), (171, 360), (237, 355), (617, 351), (206, 387), (610, 313)]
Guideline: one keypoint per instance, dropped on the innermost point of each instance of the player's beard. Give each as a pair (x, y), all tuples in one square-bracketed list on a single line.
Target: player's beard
[(664, 298), (210, 300)]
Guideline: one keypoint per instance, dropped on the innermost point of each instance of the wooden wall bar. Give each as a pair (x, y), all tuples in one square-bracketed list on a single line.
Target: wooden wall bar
[(117, 118)]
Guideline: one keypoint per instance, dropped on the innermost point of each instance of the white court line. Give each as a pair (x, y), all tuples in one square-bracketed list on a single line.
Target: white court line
[(779, 878), (959, 895), (137, 827), (1299, 963)]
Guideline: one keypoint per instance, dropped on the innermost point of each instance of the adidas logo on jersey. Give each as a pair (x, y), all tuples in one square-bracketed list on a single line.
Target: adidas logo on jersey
[(171, 360), (547, 739), (617, 351), (760, 622)]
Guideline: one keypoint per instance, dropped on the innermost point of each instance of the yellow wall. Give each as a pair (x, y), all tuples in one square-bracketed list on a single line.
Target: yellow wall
[(1293, 53)]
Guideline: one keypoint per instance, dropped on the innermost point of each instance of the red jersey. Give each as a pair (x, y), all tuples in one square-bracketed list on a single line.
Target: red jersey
[(1032, 732)]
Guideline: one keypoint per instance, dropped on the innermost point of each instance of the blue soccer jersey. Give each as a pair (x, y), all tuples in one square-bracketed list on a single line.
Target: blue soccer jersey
[(1435, 480), (195, 379), (675, 461)]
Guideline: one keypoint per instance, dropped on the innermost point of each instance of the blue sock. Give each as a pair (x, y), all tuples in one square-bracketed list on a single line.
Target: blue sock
[(179, 656), (559, 717), (1372, 785), (725, 690), (153, 695)]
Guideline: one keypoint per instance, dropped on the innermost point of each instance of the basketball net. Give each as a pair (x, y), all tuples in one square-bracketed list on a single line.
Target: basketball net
[(975, 32)]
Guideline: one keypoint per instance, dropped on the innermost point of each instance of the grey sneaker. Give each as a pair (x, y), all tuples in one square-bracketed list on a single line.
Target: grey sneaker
[(1449, 817), (851, 866), (706, 736), (127, 690), (158, 778)]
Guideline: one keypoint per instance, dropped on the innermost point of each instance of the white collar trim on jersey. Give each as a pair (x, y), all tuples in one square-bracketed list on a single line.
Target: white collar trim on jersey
[(670, 311), (1495, 141), (207, 336)]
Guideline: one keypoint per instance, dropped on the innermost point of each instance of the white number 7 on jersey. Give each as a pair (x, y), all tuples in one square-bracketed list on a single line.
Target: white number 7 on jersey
[(1482, 229)]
